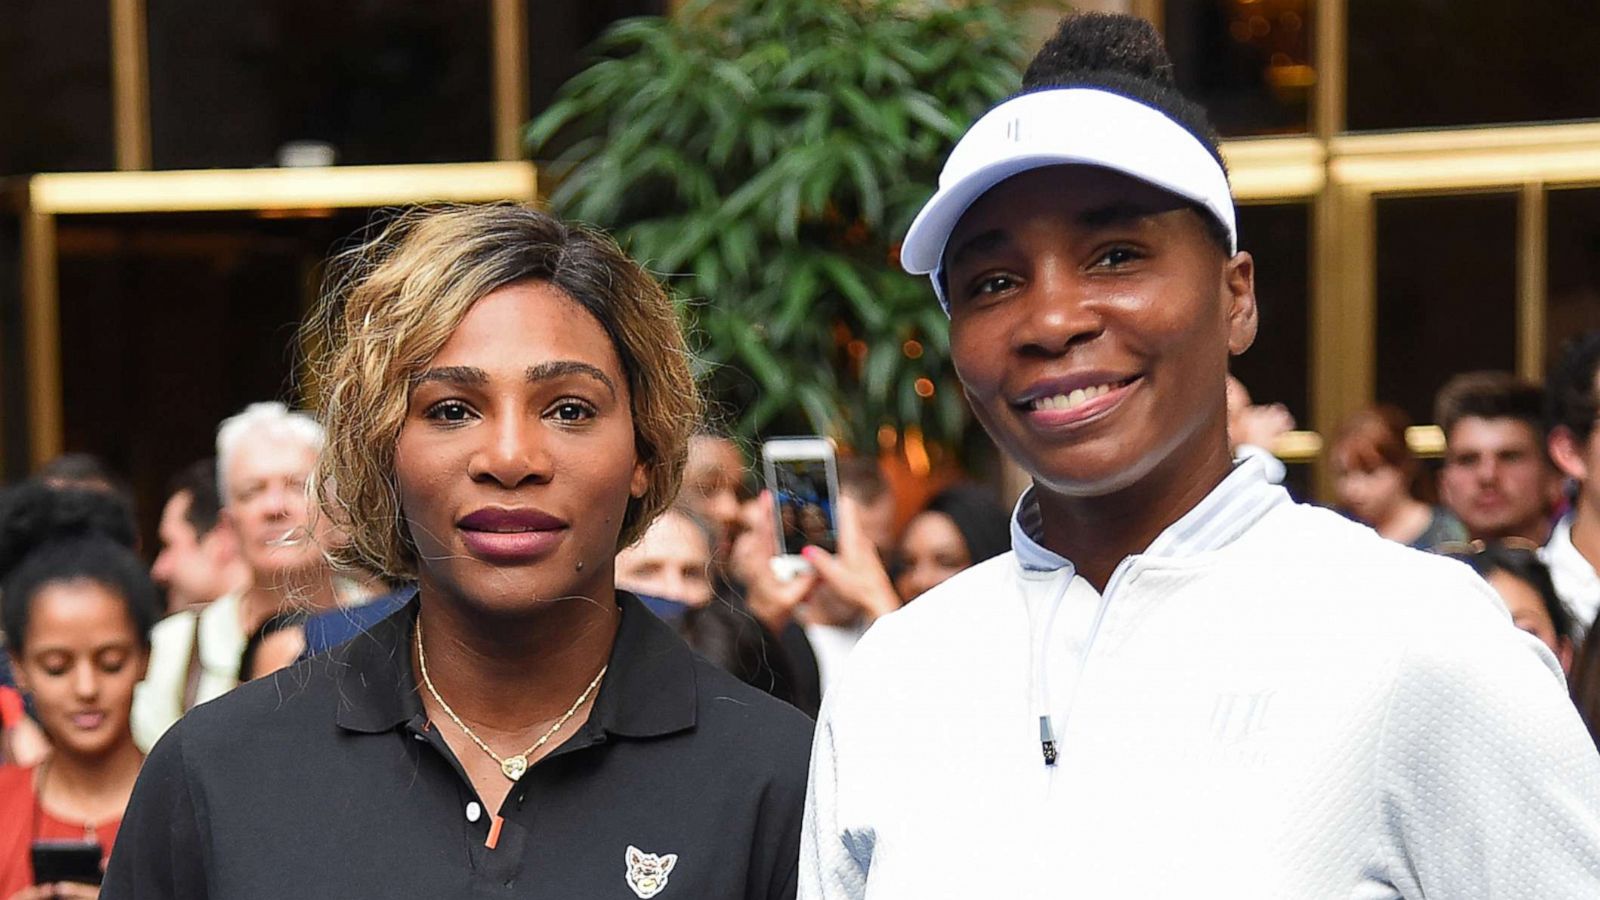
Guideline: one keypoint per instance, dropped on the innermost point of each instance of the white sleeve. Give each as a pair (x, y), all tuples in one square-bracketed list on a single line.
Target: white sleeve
[(1491, 783), (833, 866)]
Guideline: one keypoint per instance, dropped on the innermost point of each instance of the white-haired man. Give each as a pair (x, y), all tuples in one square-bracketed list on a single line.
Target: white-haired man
[(264, 457)]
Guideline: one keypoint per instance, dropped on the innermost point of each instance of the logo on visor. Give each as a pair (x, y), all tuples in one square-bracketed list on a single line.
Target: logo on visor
[(1014, 131), (647, 872)]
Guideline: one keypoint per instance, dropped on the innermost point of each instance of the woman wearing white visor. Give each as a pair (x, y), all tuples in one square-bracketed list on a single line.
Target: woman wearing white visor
[(1180, 683)]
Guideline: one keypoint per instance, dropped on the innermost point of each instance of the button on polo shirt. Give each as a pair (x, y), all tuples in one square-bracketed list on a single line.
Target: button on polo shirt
[(328, 780)]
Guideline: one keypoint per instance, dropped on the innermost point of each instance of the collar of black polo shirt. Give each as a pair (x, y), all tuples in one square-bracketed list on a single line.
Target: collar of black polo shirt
[(649, 690)]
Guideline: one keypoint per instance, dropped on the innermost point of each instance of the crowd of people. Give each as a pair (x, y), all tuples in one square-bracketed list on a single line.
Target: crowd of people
[(501, 613)]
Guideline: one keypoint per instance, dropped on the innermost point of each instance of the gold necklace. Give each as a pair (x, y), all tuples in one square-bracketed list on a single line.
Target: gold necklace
[(512, 767)]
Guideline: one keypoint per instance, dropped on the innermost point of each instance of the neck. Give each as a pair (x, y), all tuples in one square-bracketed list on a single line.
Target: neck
[(1405, 522), (92, 788), (505, 674), (268, 594), (1586, 526), (1098, 533)]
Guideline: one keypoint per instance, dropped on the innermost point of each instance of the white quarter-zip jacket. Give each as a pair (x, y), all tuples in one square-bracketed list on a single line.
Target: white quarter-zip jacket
[(1264, 704)]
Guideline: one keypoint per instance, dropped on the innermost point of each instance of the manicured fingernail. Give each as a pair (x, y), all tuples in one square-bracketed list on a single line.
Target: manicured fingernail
[(808, 552)]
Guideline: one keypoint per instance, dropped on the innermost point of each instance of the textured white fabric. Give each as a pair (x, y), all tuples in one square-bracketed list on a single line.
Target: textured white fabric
[(1281, 716), (1576, 581)]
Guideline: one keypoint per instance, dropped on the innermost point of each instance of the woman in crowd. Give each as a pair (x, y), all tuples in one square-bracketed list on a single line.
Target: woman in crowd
[(1180, 683), (1381, 483), (1523, 582), (508, 399), (960, 527), (78, 606)]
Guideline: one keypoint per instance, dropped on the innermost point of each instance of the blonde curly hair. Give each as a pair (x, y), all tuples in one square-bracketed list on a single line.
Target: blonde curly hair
[(395, 300)]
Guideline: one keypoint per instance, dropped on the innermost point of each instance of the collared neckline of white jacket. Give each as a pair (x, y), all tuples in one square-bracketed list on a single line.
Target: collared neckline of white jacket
[(1264, 704)]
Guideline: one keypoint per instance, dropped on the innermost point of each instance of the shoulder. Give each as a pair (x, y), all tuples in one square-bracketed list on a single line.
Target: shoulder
[(177, 627), (279, 711), (1328, 558), (753, 725), (955, 612), (15, 780)]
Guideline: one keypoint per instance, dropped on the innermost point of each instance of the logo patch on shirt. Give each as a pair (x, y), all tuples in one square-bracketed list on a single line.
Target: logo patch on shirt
[(647, 872)]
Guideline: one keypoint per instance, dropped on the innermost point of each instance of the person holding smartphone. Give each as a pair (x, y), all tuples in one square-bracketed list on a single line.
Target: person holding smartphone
[(1179, 683), (508, 401), (78, 605)]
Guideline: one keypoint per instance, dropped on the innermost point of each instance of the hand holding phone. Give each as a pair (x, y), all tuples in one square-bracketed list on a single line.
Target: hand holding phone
[(802, 474)]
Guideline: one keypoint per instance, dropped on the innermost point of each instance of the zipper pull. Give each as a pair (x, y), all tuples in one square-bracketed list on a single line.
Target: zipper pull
[(1047, 741)]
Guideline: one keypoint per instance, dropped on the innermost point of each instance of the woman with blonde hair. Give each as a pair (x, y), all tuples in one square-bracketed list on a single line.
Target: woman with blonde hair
[(508, 401)]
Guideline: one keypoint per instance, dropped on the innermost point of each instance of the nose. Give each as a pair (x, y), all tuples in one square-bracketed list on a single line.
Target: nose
[(1060, 312), (161, 569), (511, 453), (85, 681)]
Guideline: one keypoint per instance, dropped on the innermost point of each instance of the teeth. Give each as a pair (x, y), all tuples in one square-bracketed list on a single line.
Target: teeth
[(1078, 397)]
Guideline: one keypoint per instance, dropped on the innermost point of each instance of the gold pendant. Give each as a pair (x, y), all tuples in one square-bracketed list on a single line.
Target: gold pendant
[(513, 766)]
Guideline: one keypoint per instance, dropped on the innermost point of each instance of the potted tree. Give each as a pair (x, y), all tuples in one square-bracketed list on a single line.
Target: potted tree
[(765, 156)]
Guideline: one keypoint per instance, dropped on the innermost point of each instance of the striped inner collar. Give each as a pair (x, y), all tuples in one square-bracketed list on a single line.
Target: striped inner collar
[(1237, 503)]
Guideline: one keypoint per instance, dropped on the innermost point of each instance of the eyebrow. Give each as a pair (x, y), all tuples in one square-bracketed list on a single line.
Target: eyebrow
[(562, 367), (456, 375), (472, 376), (1118, 213)]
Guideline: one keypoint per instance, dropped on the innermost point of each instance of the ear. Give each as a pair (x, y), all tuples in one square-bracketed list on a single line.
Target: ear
[(667, 862), (1567, 454), (635, 855), (1564, 654), (19, 676), (640, 482), (1239, 289)]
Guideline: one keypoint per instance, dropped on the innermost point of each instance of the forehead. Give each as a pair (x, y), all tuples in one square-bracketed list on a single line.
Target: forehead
[(266, 455), (526, 323), (1070, 196), (670, 537), (79, 606), (714, 457), (1488, 435)]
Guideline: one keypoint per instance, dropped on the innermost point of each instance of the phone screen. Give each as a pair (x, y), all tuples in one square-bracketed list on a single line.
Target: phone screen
[(74, 861), (805, 505)]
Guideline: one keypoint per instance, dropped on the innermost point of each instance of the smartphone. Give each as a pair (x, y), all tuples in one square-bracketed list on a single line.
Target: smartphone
[(55, 862), (803, 476)]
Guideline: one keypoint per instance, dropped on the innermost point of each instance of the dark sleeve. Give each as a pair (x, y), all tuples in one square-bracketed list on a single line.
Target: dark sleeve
[(158, 853), (784, 809)]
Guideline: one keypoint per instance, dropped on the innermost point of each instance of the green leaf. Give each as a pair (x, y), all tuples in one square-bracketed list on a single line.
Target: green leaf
[(854, 289)]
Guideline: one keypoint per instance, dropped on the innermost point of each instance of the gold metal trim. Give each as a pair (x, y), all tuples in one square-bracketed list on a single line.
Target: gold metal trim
[(1271, 170), (267, 189), (1464, 160), (1332, 64), (130, 83), (508, 26), (1152, 11), (41, 330), (1343, 311), (1426, 441), (1532, 280)]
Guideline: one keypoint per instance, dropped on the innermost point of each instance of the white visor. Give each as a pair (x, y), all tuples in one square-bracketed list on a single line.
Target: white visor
[(1084, 126)]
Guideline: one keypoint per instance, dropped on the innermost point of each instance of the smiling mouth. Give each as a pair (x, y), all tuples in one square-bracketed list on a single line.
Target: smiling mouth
[(1076, 397)]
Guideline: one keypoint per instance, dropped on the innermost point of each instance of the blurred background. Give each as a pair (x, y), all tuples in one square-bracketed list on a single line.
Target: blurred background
[(1418, 179)]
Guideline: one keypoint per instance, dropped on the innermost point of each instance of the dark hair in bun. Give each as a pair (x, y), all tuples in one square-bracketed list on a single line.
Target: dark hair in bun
[(50, 535), (1121, 54)]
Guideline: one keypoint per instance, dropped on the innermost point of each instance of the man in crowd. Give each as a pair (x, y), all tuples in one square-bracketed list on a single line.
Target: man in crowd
[(1497, 477), (713, 479), (265, 455), (1573, 553), (199, 559)]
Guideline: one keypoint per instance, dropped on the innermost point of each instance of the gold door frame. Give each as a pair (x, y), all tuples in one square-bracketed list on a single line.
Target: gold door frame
[(40, 199)]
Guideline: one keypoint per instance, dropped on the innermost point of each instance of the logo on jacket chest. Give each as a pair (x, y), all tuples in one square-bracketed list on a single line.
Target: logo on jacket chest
[(1237, 717), (647, 873)]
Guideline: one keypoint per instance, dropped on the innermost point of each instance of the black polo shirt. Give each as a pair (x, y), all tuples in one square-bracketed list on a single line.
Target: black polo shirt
[(327, 780)]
